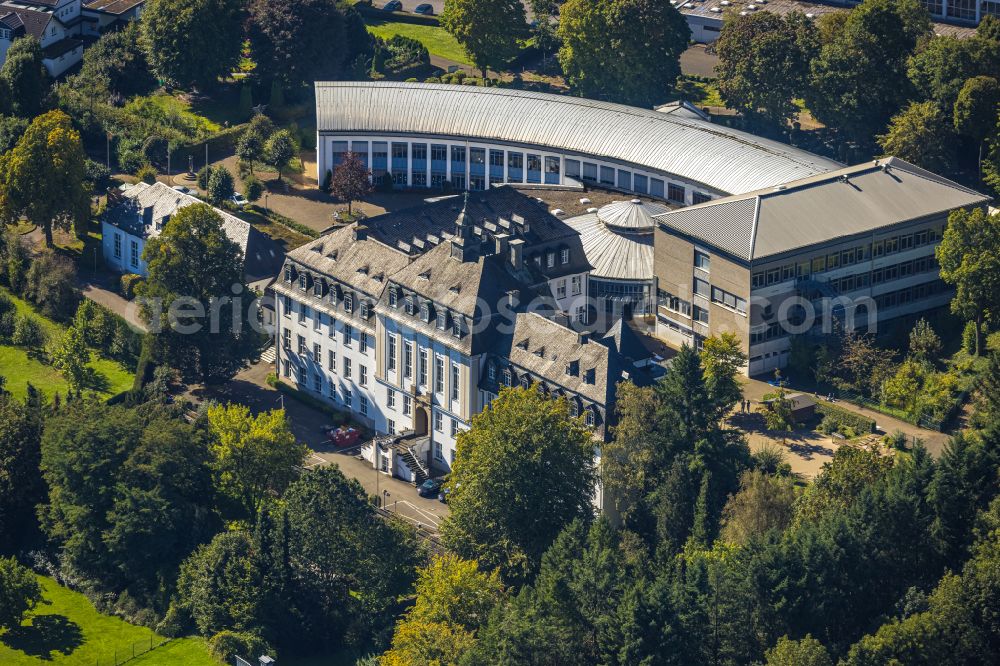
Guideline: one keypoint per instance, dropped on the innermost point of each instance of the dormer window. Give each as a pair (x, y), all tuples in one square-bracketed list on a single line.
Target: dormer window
[(590, 418), (318, 288), (550, 259), (365, 310), (525, 381), (564, 256), (288, 272), (393, 298), (508, 377), (491, 371), (456, 327), (573, 368), (410, 306), (302, 281), (349, 302), (574, 407), (442, 320), (590, 376), (425, 311)]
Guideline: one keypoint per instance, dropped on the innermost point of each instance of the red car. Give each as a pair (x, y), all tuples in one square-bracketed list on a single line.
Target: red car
[(343, 436)]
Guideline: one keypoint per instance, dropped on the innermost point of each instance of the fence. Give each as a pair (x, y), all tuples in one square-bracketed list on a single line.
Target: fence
[(240, 661), (136, 649)]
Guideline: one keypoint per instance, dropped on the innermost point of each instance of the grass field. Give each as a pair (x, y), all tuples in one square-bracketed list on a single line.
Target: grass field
[(21, 366), (67, 629), (437, 40)]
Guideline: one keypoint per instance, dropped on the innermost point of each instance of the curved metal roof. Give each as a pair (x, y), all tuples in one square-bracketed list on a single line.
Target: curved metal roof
[(718, 157), (614, 256), (633, 216)]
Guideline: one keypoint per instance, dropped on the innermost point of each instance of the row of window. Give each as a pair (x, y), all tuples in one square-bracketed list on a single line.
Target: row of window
[(886, 274), (320, 288), (497, 166), (576, 286), (316, 355), (318, 381), (439, 367), (347, 330), (882, 302), (834, 260)]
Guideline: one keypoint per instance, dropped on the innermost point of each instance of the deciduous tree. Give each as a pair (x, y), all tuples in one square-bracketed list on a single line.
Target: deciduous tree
[(119, 60), (525, 441), (44, 176), (192, 42), (921, 134), (19, 592), (24, 81), (763, 503), (764, 63), (488, 31), (969, 255), (624, 51), (71, 356), (858, 80), (193, 270), (279, 150), (351, 180), (297, 43), (255, 457)]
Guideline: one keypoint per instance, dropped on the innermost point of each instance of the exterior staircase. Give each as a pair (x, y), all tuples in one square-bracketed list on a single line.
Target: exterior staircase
[(419, 473), (268, 355)]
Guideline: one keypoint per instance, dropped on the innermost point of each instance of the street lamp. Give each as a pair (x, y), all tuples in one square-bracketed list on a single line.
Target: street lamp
[(265, 203)]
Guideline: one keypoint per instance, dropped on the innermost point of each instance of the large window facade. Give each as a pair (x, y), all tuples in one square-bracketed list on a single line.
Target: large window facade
[(460, 165)]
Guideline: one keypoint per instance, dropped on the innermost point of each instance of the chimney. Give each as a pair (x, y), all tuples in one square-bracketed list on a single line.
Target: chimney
[(501, 243), (360, 232), (517, 253), (513, 298), (583, 337)]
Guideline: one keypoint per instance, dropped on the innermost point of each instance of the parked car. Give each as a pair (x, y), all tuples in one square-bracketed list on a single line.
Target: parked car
[(182, 189), (393, 6), (429, 488), (425, 9), (239, 199)]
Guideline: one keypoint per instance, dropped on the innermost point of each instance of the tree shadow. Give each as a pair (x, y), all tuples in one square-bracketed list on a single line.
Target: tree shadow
[(95, 381), (46, 635)]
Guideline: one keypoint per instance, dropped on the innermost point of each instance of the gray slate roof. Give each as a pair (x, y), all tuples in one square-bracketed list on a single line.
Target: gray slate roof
[(145, 209), (840, 204), (718, 157), (366, 264)]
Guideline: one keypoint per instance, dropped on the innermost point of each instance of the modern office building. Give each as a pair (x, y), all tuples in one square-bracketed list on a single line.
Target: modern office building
[(470, 137), (856, 244)]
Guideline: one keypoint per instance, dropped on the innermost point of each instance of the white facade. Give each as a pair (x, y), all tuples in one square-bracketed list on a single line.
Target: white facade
[(122, 251), (387, 375)]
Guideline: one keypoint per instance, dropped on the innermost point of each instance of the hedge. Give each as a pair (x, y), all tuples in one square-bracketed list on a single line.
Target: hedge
[(846, 418), (128, 284), (367, 10)]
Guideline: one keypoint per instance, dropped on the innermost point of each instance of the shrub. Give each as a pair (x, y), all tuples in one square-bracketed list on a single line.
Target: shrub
[(98, 174), (220, 185), (843, 421), (254, 188), (51, 285), (128, 282), (203, 176), (27, 332), (7, 325), (228, 644), (969, 338), (146, 173)]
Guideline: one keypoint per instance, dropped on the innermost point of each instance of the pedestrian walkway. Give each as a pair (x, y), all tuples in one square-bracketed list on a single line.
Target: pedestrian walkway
[(754, 390)]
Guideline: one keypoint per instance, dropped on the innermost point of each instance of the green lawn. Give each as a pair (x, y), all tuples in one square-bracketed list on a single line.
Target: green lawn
[(21, 366), (437, 40), (67, 629)]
